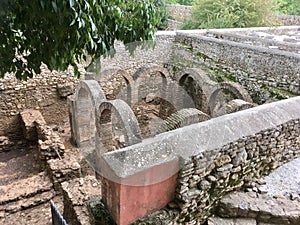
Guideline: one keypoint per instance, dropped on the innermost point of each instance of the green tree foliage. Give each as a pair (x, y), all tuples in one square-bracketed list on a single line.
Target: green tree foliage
[(289, 7), (63, 32), (163, 13), (230, 13)]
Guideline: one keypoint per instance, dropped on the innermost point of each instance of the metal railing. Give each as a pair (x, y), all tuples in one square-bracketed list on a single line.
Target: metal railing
[(57, 218)]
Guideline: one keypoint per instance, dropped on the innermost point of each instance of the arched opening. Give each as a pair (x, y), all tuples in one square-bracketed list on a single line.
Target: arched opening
[(87, 98), (107, 136), (193, 89), (117, 84), (151, 113), (226, 92), (117, 126)]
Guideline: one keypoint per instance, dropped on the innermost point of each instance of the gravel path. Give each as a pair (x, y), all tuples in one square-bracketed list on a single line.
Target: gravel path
[(284, 180)]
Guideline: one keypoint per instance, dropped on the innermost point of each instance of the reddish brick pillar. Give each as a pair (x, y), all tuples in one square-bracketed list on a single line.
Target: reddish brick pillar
[(137, 195)]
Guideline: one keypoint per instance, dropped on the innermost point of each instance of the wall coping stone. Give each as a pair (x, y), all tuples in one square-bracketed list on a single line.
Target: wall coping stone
[(196, 36), (191, 140), (232, 30)]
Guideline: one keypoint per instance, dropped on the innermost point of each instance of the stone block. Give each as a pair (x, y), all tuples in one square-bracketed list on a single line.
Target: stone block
[(30, 118), (65, 89), (235, 221)]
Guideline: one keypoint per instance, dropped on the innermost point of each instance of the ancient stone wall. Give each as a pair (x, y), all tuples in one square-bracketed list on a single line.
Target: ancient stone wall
[(289, 19), (40, 93), (179, 12), (215, 157), (35, 128), (270, 67), (159, 55)]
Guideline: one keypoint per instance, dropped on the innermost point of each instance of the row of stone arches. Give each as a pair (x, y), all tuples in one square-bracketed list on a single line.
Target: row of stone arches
[(98, 121), (191, 88)]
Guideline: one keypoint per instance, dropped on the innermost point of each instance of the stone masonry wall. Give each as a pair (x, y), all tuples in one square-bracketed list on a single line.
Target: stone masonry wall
[(40, 93), (179, 12), (208, 176), (218, 156), (269, 67), (289, 19)]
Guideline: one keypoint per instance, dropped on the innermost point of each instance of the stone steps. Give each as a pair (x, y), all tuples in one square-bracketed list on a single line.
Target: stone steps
[(25, 193), (259, 207)]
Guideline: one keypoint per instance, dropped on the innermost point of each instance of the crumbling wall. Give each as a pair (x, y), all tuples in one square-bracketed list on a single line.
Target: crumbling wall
[(35, 128), (40, 93)]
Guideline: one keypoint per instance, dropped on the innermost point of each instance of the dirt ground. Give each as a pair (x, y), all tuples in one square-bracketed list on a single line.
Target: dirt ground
[(19, 162)]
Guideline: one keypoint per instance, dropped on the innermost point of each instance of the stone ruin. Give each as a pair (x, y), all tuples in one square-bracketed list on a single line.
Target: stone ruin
[(166, 141), (189, 98), (143, 175)]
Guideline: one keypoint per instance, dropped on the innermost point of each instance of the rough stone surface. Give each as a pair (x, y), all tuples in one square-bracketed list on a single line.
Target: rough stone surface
[(285, 180), (65, 89), (30, 119), (76, 194), (222, 221), (263, 208), (206, 48)]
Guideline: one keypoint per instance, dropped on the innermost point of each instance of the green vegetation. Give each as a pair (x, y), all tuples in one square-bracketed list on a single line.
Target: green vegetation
[(279, 93), (163, 13), (62, 33), (180, 2), (289, 7), (229, 14)]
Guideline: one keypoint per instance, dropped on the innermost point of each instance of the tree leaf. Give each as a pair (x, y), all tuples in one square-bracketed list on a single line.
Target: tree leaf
[(54, 5), (71, 3)]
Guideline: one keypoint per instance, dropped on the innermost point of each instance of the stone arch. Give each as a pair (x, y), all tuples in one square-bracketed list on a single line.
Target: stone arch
[(235, 89), (88, 97), (145, 84), (115, 121), (198, 86), (234, 105), (183, 118), (124, 93)]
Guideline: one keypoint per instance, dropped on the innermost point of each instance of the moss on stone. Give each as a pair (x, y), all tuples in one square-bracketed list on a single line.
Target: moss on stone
[(203, 56), (279, 93), (186, 45), (220, 75)]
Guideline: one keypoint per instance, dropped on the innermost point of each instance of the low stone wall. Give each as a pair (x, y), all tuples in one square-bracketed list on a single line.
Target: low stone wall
[(215, 157), (159, 55), (289, 19), (179, 12), (270, 67)]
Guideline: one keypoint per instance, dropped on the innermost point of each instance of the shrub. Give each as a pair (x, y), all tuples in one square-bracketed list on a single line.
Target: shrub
[(230, 14), (290, 7)]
